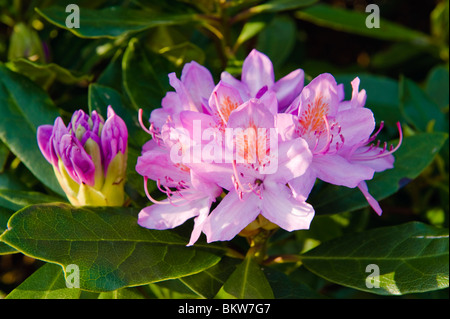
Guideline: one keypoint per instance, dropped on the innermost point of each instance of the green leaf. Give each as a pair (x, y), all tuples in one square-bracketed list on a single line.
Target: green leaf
[(437, 85), (47, 282), (140, 81), (4, 152), (5, 214), (111, 250), (124, 293), (411, 258), (25, 198), (112, 22), (23, 107), (45, 74), (277, 40), (413, 156), (281, 5), (208, 283), (251, 28), (248, 282), (284, 288), (355, 22), (419, 109)]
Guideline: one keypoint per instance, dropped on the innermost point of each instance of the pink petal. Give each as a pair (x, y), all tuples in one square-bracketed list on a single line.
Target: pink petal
[(335, 169), (257, 71), (320, 97), (224, 100), (356, 126), (281, 208), (370, 199), (167, 216), (231, 216), (302, 185), (288, 88), (198, 81), (44, 133), (293, 159)]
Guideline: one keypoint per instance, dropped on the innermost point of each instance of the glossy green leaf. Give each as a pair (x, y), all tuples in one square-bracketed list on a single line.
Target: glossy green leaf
[(284, 288), (111, 250), (411, 258), (23, 107), (4, 152), (355, 22), (437, 86), (277, 40), (248, 282), (5, 214), (47, 282), (208, 283), (140, 81), (112, 22), (419, 109), (281, 5), (413, 156), (25, 198), (124, 293), (45, 74)]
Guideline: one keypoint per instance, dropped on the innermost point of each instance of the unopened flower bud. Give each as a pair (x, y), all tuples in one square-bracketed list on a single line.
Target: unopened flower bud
[(89, 157)]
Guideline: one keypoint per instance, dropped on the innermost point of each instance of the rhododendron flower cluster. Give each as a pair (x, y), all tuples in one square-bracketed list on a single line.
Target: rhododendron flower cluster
[(254, 147)]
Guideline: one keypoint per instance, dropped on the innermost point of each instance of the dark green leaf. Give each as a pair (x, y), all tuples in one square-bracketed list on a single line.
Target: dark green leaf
[(208, 283), (47, 282), (278, 39), (139, 78), (437, 86), (45, 74), (281, 5), (419, 109), (248, 282), (284, 288), (112, 22), (23, 107), (111, 250), (5, 214), (411, 258), (355, 22), (25, 198), (413, 156)]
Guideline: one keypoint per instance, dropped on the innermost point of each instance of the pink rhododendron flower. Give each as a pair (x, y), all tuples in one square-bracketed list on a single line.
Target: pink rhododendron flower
[(338, 133), (256, 146)]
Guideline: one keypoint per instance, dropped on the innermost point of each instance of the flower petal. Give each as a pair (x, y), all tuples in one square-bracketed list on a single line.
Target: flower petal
[(114, 137), (281, 208), (335, 169), (167, 216), (370, 199), (288, 88), (231, 216), (44, 133), (257, 71), (198, 81)]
